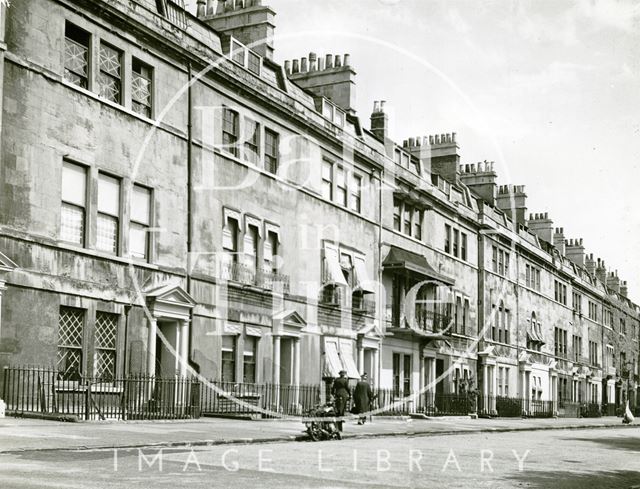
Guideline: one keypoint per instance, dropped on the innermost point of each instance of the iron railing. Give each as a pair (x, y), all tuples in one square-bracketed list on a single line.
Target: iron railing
[(510, 407), (392, 402), (265, 278), (431, 321), (266, 400), (45, 391)]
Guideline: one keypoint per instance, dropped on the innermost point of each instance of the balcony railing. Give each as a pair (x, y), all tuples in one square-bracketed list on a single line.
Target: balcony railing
[(361, 304), (241, 273), (431, 321)]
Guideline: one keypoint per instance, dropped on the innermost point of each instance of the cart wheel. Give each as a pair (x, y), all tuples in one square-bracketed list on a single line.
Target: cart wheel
[(313, 434), (337, 435)]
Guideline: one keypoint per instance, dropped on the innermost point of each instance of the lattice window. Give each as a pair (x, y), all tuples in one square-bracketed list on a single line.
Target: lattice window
[(106, 334), (110, 73), (70, 336), (76, 55), (141, 85)]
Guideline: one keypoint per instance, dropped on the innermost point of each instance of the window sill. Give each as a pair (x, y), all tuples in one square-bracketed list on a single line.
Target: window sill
[(105, 256)]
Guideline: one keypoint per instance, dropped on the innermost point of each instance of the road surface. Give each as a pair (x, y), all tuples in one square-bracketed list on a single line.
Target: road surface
[(598, 458)]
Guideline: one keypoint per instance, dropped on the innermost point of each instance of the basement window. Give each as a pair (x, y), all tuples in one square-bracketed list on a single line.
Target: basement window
[(245, 57)]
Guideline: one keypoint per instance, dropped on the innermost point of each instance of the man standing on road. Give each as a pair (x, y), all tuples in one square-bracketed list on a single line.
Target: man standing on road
[(362, 398), (342, 394)]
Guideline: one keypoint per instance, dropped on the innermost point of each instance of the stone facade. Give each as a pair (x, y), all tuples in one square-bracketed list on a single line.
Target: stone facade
[(168, 186)]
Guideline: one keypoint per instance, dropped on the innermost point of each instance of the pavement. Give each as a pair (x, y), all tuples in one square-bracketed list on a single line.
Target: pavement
[(24, 434)]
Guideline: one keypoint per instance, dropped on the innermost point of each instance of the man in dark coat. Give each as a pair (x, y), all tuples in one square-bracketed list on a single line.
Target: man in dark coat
[(341, 394), (362, 397)]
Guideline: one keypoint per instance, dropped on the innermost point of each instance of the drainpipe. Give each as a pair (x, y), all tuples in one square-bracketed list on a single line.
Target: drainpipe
[(192, 362)]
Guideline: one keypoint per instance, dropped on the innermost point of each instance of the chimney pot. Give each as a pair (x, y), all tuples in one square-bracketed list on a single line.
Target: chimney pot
[(296, 66), (347, 59), (303, 65), (338, 61), (287, 67), (329, 61)]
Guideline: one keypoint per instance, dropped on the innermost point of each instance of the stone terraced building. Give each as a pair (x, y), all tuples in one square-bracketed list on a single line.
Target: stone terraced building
[(170, 192)]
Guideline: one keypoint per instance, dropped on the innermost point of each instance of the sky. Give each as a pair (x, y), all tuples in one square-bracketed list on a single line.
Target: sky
[(549, 90)]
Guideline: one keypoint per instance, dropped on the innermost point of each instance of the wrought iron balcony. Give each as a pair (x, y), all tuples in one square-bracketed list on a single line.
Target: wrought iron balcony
[(244, 274), (360, 304), (431, 321)]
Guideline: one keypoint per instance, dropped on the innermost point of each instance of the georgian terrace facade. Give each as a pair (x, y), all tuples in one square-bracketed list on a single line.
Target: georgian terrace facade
[(170, 192)]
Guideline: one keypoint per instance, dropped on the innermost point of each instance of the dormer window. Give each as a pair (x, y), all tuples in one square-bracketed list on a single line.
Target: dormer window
[(245, 57), (333, 113)]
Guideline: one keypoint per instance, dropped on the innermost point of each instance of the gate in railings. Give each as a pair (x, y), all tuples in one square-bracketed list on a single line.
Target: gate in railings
[(47, 391)]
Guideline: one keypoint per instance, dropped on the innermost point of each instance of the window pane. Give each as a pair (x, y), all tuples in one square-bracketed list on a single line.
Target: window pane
[(107, 233), (138, 239), (254, 63), (109, 76), (70, 341), (141, 205), (74, 181), (141, 86), (109, 195), (106, 333), (271, 151), (72, 224), (237, 53), (251, 140), (76, 55)]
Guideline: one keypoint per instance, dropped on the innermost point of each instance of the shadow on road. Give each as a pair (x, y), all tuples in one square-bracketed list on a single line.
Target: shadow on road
[(615, 479), (621, 443)]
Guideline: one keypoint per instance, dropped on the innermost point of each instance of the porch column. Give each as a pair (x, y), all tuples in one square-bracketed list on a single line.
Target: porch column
[(376, 367), (276, 360), (151, 346), (296, 361), (361, 368), (184, 349), (2, 289), (485, 388), (423, 382), (493, 388)]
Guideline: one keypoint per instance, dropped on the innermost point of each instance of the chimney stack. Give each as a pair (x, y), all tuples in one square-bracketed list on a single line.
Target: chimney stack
[(601, 271), (575, 251), (331, 78), (379, 121), (481, 180), (590, 265), (541, 226), (559, 241), (248, 21), (445, 159), (613, 282), (513, 202), (624, 291)]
